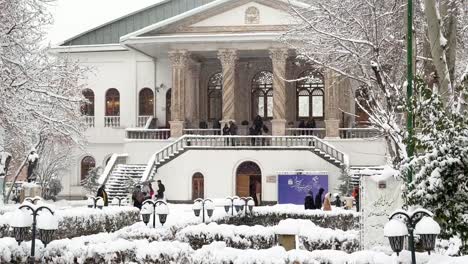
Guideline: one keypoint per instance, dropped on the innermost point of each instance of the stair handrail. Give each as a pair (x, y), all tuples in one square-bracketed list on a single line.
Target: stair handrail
[(110, 167), (335, 153), (155, 157)]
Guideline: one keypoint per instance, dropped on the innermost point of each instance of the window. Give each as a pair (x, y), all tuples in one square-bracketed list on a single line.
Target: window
[(310, 95), (87, 163), (87, 108), (215, 97), (262, 95), (112, 102), (198, 186), (146, 102)]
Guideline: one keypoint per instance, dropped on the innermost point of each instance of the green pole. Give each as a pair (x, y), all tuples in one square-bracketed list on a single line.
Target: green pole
[(409, 88)]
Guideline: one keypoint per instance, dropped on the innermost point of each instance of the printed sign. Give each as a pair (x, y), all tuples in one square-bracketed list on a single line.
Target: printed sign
[(271, 179), (293, 188)]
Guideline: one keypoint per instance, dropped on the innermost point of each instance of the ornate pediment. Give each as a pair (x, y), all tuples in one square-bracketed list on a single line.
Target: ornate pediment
[(233, 16)]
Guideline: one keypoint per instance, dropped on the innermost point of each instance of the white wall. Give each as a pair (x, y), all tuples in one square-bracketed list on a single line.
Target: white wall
[(363, 152), (219, 170)]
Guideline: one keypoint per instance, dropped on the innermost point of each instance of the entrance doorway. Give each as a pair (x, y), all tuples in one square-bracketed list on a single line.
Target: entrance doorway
[(168, 106), (198, 186), (249, 181)]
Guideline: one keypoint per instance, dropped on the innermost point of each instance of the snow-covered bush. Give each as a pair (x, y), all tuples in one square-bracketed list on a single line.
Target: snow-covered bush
[(257, 237), (272, 215), (85, 221), (313, 238)]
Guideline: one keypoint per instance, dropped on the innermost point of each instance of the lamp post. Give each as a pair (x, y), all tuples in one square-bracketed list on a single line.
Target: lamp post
[(94, 202), (21, 222), (420, 222), (230, 204), (118, 201), (249, 204), (200, 204), (159, 207)]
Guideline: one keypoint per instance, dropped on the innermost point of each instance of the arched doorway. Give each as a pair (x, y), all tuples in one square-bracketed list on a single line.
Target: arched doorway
[(249, 181), (87, 163), (168, 106), (198, 186)]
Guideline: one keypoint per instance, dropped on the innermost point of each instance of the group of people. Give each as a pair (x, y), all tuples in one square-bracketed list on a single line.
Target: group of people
[(310, 124), (325, 204), (146, 192)]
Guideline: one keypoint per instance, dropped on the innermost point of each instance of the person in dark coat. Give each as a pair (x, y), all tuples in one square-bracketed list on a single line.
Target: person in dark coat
[(103, 194), (233, 131), (258, 122), (309, 201), (318, 199), (161, 190), (226, 130), (311, 123), (252, 132), (137, 197), (356, 197), (302, 125), (338, 202)]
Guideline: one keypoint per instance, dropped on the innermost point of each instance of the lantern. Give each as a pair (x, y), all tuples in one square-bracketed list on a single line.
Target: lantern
[(227, 205), (209, 208), (197, 208), (162, 210), (21, 221), (427, 229), (250, 205), (396, 232), (100, 203)]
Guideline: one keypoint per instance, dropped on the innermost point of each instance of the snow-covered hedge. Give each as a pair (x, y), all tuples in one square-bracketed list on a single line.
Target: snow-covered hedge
[(311, 237), (84, 221), (272, 215), (256, 237)]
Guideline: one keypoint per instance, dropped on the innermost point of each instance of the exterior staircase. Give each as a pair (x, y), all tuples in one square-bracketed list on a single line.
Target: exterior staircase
[(117, 184), (119, 173)]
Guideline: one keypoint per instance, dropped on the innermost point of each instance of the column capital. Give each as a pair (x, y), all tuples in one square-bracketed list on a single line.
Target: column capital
[(179, 58), (279, 55), (227, 56)]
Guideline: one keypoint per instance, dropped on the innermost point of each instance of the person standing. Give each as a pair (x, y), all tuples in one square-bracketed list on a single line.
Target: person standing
[(327, 203), (103, 194), (258, 192), (161, 190), (309, 201), (318, 199), (233, 131), (146, 190), (226, 132), (137, 197), (32, 164), (356, 197)]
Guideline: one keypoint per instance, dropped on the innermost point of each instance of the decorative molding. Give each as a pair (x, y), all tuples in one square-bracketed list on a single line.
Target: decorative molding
[(228, 56), (179, 58), (252, 15)]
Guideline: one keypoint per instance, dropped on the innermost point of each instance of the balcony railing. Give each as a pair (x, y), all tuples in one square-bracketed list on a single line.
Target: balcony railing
[(317, 132), (203, 132), (154, 134), (143, 120), (112, 121), (89, 121), (349, 133)]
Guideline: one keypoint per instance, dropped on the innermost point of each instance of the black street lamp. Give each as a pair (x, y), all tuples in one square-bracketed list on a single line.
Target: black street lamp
[(21, 223), (94, 202), (420, 222), (159, 207), (229, 204), (202, 204), (118, 200), (249, 204), (33, 200)]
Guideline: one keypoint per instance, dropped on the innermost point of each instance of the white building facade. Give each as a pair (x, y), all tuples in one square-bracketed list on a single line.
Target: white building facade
[(167, 78)]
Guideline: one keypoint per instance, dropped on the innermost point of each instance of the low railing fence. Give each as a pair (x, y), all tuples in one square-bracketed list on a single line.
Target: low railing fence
[(159, 134), (112, 121), (350, 133), (317, 132)]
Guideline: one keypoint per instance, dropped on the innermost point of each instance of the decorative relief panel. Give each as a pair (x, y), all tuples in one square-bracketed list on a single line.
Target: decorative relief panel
[(252, 15)]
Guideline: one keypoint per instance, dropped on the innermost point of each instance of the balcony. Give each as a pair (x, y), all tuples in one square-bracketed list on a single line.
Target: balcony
[(112, 121), (148, 134), (89, 120), (143, 120), (317, 132), (351, 133)]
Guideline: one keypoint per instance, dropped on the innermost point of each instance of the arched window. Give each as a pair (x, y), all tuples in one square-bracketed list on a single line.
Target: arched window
[(215, 97), (146, 102), (87, 163), (262, 95), (87, 108), (310, 95), (362, 118), (198, 186), (112, 102)]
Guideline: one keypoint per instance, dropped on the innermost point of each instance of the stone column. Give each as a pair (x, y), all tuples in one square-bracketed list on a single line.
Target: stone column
[(278, 58), (332, 113), (179, 68), (192, 94), (228, 58)]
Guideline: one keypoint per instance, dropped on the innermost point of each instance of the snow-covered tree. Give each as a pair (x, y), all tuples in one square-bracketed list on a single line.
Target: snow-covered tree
[(41, 94), (346, 187), (365, 41), (440, 165), (90, 183)]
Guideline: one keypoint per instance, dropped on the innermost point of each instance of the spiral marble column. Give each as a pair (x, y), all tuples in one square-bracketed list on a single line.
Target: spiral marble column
[(228, 58), (279, 58)]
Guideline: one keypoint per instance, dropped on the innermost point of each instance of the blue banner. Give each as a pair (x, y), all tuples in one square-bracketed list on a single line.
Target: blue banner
[(292, 188)]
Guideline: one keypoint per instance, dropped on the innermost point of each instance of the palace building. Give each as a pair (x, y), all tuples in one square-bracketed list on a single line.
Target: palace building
[(167, 78)]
